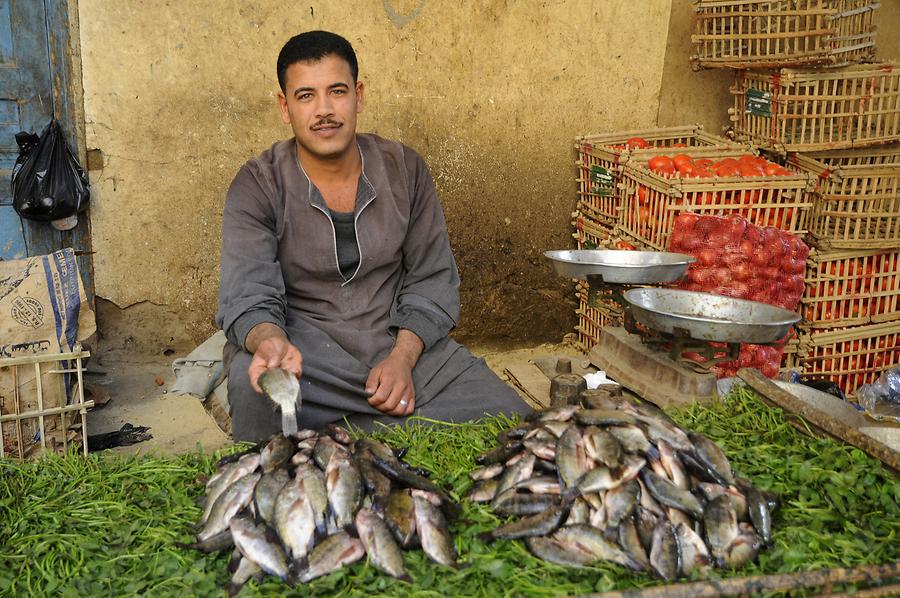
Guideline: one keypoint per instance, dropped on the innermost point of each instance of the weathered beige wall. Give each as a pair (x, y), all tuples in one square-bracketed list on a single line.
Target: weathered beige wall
[(179, 94)]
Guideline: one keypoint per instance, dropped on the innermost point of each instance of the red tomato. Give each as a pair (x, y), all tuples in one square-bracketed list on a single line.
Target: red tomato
[(726, 170), (637, 143), (680, 159), (771, 168), (678, 145), (642, 195), (662, 165), (750, 169), (736, 227), (623, 245), (686, 169), (703, 162)]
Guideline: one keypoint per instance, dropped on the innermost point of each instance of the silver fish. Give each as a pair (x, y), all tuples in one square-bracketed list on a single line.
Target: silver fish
[(380, 545), (759, 514), (325, 448), (283, 388), (235, 471), (401, 517), (604, 417), (743, 548), (630, 541), (277, 452), (230, 503), (694, 554), (580, 512), (524, 504), (602, 447), (632, 438), (738, 500), (558, 553), (432, 529), (533, 525), (331, 554), (664, 555), (540, 485), (266, 491), (671, 495), (592, 541), (483, 491), (672, 464), (294, 520), (720, 523), (521, 470), (619, 503), (570, 457), (244, 570), (487, 472), (344, 486), (603, 478), (710, 454), (312, 481), (252, 542)]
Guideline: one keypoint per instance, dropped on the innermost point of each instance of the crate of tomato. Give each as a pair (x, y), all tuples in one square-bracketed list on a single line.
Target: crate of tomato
[(658, 185), (851, 288), (850, 357), (599, 160), (857, 200)]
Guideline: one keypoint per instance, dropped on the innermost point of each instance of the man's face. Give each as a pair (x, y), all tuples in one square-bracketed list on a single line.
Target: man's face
[(321, 102)]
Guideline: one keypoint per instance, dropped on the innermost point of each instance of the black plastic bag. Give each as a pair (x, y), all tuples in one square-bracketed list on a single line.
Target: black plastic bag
[(47, 181)]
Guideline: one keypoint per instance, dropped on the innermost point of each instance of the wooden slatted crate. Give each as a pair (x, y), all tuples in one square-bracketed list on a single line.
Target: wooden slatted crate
[(593, 318), (857, 201), (600, 156), (36, 416), (850, 357), (851, 288), (805, 110), (653, 201), (782, 33)]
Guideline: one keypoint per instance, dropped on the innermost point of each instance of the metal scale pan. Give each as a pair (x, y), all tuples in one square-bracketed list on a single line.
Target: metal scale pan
[(620, 266), (704, 316)]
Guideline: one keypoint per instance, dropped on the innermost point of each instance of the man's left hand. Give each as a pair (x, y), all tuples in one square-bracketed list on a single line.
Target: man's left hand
[(390, 383)]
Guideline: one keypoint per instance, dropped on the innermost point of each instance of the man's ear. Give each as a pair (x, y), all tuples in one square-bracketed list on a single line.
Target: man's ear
[(360, 96), (282, 105)]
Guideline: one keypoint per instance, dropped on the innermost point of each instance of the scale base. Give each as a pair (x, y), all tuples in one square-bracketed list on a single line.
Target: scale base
[(648, 372)]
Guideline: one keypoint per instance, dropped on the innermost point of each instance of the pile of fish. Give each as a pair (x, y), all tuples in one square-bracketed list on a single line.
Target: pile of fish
[(620, 481), (301, 506)]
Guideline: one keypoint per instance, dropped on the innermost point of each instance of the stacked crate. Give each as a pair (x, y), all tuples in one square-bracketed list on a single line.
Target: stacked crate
[(600, 160), (834, 119)]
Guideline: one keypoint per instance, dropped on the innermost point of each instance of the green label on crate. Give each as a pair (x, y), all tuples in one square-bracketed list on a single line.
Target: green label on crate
[(758, 102), (602, 181)]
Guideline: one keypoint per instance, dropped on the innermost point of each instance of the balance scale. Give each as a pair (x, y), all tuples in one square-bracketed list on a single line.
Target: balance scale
[(645, 354)]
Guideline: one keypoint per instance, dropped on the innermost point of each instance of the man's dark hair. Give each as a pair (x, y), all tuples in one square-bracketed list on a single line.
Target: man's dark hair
[(313, 46)]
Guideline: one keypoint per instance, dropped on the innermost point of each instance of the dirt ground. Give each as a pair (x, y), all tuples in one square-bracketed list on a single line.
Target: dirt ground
[(137, 381)]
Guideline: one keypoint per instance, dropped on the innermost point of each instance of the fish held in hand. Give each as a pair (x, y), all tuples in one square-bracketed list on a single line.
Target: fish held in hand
[(283, 388)]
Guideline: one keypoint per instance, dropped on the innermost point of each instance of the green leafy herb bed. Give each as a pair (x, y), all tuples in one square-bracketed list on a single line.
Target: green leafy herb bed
[(111, 526)]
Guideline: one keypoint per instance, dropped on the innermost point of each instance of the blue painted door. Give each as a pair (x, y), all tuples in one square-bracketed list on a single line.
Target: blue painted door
[(36, 83)]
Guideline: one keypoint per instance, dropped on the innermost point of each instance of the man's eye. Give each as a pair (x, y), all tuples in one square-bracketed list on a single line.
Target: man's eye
[(304, 96), (340, 92)]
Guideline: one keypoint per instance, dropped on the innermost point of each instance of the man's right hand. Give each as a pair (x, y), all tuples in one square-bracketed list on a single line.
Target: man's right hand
[(271, 349)]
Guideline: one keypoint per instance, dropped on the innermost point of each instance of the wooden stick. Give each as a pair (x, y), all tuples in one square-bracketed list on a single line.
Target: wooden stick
[(40, 398), (761, 583), (52, 411), (832, 426), (891, 590)]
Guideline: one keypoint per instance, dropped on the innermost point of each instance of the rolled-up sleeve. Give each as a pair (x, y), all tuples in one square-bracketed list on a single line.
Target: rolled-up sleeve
[(251, 284), (428, 303)]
